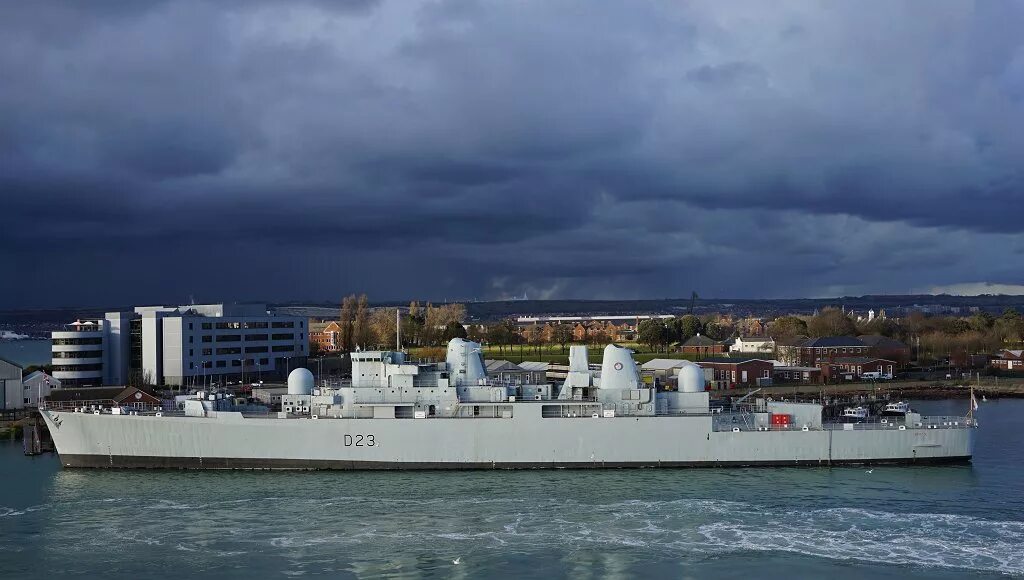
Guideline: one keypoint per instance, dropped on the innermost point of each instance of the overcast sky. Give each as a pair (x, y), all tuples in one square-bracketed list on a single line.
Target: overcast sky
[(301, 150)]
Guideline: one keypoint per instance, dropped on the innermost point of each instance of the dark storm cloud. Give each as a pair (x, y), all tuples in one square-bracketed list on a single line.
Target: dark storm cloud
[(463, 149)]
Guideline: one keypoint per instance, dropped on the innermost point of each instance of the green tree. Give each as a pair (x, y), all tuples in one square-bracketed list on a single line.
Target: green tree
[(453, 330), (881, 326), (831, 322), (652, 332), (715, 330), (690, 326), (982, 321), (788, 327), (959, 326)]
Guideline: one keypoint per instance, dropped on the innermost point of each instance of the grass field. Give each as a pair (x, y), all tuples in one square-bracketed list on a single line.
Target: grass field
[(555, 354)]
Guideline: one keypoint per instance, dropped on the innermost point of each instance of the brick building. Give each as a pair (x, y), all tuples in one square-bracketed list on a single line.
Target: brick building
[(1009, 360), (793, 374), (815, 351), (888, 348), (703, 346), (853, 367), (326, 335), (729, 373)]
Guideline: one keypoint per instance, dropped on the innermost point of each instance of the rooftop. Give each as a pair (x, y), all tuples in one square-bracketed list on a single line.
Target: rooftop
[(663, 364), (730, 360), (877, 340), (494, 366), (829, 341), (700, 340)]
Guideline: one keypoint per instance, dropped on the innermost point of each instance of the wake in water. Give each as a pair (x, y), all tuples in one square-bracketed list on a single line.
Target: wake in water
[(361, 526)]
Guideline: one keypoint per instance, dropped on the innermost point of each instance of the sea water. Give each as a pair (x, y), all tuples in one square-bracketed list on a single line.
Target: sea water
[(841, 522), (26, 352)]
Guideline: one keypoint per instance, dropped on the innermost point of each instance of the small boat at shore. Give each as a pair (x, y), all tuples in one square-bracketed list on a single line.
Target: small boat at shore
[(897, 409), (855, 414)]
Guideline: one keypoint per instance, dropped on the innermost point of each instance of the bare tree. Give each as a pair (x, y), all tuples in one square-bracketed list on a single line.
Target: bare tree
[(347, 321), (562, 334), (361, 333)]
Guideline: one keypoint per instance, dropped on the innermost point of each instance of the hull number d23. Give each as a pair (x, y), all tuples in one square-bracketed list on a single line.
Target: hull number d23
[(359, 440)]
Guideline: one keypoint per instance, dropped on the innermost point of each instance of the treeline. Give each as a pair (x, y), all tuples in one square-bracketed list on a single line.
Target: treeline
[(933, 337), (427, 325), (659, 333)]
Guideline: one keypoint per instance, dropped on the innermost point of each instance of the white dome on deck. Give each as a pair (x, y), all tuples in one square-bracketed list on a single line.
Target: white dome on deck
[(691, 379), (300, 382)]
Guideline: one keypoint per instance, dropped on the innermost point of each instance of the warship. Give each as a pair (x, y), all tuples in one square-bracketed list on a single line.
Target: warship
[(396, 413)]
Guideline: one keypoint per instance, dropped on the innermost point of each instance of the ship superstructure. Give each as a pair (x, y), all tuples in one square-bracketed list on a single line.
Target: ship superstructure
[(401, 414)]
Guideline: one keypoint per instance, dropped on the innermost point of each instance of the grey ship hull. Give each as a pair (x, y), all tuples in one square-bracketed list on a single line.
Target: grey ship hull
[(229, 441)]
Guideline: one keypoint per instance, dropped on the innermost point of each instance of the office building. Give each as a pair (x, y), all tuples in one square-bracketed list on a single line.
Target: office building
[(191, 345)]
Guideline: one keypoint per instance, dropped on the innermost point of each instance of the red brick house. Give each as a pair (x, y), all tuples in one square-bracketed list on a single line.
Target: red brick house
[(1009, 360), (815, 351), (888, 348), (729, 373), (326, 335), (854, 367), (703, 346), (793, 374)]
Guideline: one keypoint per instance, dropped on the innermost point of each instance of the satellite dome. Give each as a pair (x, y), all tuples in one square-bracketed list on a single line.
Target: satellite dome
[(691, 379), (300, 382)]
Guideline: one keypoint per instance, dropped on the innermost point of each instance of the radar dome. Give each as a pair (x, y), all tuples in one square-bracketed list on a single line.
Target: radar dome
[(618, 370), (300, 382), (465, 362), (691, 379)]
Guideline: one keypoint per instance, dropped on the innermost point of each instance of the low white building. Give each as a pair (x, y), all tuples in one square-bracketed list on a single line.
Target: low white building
[(755, 344), (663, 369), (37, 386)]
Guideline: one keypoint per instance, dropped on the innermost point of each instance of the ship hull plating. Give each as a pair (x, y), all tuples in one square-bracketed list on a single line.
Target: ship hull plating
[(526, 441)]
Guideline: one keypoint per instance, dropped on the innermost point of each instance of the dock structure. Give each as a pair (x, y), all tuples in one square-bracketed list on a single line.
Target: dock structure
[(35, 436)]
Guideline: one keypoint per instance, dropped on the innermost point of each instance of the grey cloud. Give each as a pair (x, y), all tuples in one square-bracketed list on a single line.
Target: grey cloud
[(576, 149)]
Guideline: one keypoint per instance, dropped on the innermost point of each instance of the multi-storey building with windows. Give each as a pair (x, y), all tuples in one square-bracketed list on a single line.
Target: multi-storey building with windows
[(180, 346)]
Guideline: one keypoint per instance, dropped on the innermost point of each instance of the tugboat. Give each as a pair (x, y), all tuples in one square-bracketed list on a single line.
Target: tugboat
[(855, 415), (898, 409)]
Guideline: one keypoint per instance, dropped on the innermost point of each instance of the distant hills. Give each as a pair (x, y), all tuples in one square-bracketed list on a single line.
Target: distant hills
[(941, 303), (486, 311)]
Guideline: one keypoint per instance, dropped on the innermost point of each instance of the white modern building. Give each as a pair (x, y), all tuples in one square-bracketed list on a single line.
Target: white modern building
[(180, 346)]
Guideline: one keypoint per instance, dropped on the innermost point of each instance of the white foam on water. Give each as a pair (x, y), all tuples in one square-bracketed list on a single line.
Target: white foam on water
[(936, 540)]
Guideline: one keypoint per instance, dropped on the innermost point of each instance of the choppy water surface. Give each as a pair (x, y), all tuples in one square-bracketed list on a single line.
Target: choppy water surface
[(896, 522)]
